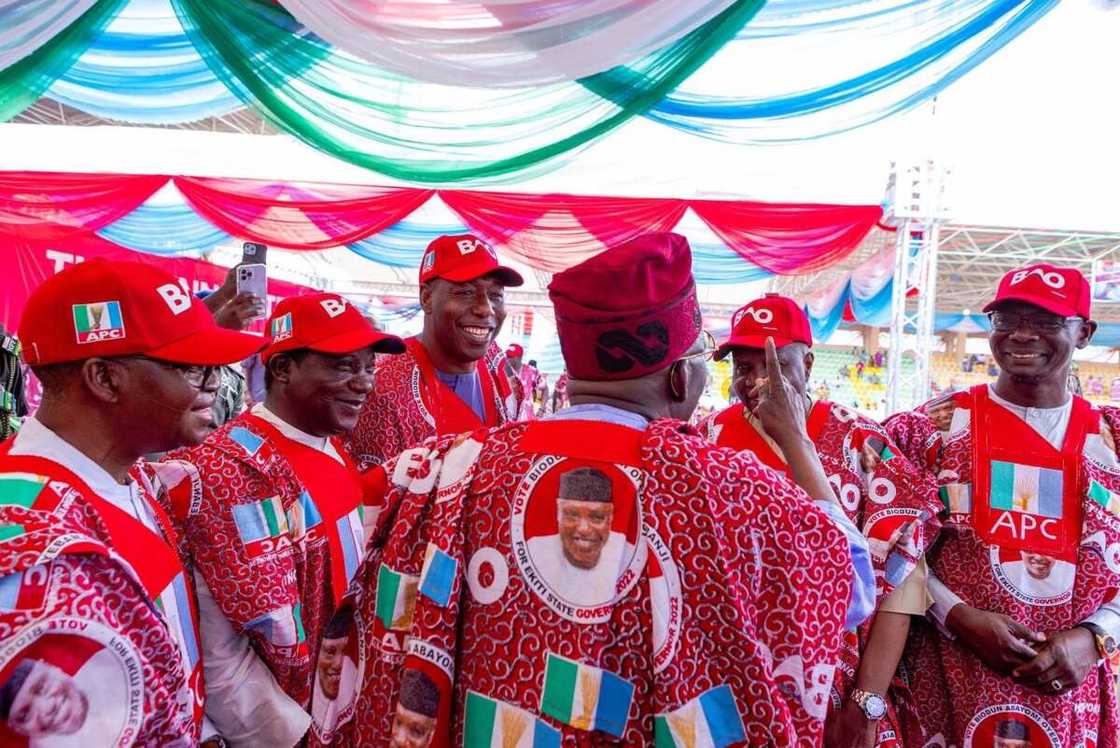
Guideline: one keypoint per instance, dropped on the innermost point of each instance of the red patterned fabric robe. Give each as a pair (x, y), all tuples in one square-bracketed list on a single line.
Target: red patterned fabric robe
[(275, 529), (410, 404), (711, 613), (959, 700), (98, 606), (880, 491)]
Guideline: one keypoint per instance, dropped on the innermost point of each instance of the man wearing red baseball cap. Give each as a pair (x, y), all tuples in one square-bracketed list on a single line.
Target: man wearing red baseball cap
[(879, 489), (1025, 578), (88, 557), (604, 575), (528, 383), (272, 507), (452, 377)]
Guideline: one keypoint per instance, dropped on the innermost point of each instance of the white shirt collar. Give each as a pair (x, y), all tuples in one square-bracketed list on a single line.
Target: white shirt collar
[(36, 440), (320, 443)]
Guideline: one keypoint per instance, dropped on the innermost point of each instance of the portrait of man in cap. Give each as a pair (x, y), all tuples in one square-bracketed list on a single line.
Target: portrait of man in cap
[(336, 672), (414, 721), (1012, 733), (1038, 575), (583, 560)]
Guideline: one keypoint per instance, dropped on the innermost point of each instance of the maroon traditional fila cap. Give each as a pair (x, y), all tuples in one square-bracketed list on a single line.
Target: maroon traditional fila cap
[(629, 311), (462, 258), (1063, 291), (772, 316), (324, 322), (106, 308)]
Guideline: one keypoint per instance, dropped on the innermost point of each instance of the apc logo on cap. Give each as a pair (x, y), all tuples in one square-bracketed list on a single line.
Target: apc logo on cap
[(282, 328), (429, 262), (1055, 280), (99, 321)]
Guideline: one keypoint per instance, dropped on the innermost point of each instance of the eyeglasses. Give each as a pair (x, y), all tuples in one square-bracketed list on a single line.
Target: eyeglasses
[(1045, 323), (708, 351), (196, 376)]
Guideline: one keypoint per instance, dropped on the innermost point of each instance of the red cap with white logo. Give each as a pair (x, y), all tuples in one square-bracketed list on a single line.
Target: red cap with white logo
[(772, 316), (1063, 291), (323, 322), (464, 258), (105, 308)]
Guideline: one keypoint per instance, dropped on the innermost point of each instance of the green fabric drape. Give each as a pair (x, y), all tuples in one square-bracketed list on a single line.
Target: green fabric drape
[(426, 132)]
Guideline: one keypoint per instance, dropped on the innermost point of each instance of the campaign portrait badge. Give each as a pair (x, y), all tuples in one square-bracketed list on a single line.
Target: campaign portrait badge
[(575, 534), (1010, 726), (339, 667), (69, 681)]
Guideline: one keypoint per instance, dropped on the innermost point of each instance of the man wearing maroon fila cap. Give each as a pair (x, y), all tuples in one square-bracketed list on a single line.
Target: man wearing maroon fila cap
[(272, 508), (92, 585), (895, 504), (452, 377), (1025, 577), (604, 575)]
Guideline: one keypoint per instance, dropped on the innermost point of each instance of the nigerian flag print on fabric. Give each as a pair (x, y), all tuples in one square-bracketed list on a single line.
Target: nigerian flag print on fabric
[(1104, 497), (1026, 488), (260, 524), (496, 724), (21, 489), (710, 721), (396, 598), (586, 697)]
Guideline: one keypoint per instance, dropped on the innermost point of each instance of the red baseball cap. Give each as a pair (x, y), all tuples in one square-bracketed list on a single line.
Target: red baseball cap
[(1059, 290), (514, 351), (772, 316), (462, 258), (104, 308), (323, 322)]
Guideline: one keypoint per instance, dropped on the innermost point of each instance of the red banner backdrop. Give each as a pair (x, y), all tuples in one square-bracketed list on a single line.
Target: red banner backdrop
[(548, 232), (25, 262)]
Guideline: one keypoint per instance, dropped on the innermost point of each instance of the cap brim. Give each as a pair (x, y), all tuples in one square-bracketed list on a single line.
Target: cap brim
[(508, 276), (357, 340), (1053, 307), (749, 341), (211, 347)]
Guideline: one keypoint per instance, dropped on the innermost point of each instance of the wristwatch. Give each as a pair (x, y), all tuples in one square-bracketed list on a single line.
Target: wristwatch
[(872, 704), (1106, 645)]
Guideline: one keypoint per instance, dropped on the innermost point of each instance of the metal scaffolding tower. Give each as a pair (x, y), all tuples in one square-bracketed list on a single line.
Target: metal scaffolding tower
[(916, 207)]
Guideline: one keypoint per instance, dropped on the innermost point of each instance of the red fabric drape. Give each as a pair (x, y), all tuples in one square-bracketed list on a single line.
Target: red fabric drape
[(554, 232), (789, 239), (49, 204), (28, 261), (299, 216)]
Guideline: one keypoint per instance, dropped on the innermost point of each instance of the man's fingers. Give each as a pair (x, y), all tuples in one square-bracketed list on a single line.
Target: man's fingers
[(1024, 633), (773, 368), (1029, 671)]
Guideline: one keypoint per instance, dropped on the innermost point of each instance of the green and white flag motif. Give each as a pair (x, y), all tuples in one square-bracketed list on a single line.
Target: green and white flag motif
[(586, 697), (496, 724), (711, 720), (396, 598)]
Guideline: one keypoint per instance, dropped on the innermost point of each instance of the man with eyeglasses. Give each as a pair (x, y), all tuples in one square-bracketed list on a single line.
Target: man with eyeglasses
[(89, 559), (895, 504), (1026, 470), (272, 510), (453, 376), (719, 604)]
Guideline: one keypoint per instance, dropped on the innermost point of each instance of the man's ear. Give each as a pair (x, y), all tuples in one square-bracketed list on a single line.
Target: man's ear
[(1088, 330), (678, 382), (280, 367), (809, 359), (104, 380), (426, 292)]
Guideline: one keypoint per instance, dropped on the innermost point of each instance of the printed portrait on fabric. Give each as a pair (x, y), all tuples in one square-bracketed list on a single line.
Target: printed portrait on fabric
[(70, 683), (338, 673)]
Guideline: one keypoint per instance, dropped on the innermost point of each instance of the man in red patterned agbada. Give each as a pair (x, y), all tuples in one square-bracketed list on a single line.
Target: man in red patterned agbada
[(99, 627), (452, 377), (1025, 574), (879, 490), (604, 576), (272, 510)]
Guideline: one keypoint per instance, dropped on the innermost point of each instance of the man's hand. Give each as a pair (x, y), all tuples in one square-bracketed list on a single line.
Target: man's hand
[(239, 312), (850, 728), (1064, 662), (781, 409), (1002, 643)]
